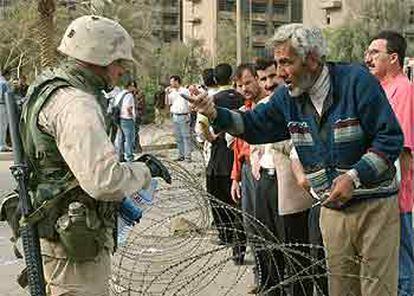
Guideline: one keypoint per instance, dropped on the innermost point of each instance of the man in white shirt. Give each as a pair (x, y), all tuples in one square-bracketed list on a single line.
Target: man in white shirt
[(280, 204), (125, 139), (180, 112)]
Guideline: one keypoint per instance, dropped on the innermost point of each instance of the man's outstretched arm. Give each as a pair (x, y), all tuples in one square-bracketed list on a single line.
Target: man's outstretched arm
[(265, 124)]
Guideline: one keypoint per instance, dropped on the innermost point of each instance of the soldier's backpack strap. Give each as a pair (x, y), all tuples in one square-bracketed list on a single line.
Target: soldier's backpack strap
[(43, 209)]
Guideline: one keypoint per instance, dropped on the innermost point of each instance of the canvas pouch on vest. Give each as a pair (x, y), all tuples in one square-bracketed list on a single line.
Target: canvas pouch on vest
[(63, 211), (79, 231)]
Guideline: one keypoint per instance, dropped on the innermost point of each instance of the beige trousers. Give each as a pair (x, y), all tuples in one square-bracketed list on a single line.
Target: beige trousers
[(68, 278), (362, 245)]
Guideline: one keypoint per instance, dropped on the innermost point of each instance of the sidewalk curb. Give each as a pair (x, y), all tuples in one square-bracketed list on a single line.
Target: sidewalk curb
[(6, 156)]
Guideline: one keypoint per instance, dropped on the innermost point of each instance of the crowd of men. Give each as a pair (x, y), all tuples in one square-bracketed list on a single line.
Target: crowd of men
[(319, 153), (127, 105), (326, 163)]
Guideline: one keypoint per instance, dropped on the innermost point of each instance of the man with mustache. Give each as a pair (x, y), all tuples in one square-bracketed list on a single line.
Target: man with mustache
[(385, 59), (247, 85), (269, 261), (281, 205), (243, 184), (347, 138)]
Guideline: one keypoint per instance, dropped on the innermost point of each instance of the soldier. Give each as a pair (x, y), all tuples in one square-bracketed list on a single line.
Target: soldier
[(76, 178)]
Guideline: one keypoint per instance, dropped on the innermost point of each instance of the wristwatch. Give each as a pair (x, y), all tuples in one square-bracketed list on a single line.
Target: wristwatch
[(353, 173)]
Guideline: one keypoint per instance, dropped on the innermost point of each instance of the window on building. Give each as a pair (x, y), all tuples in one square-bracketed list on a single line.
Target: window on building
[(169, 20), (259, 29), (170, 36), (280, 8), (259, 7), (260, 51), (297, 10), (227, 5), (328, 17), (173, 3)]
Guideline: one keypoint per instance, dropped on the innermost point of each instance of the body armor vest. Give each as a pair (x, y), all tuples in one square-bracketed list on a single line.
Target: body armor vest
[(50, 177)]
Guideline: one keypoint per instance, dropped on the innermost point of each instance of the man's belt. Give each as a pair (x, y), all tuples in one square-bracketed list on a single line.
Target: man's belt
[(269, 172), (181, 113)]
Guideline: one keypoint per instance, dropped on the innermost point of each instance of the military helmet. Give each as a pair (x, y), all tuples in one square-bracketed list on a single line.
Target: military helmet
[(96, 40)]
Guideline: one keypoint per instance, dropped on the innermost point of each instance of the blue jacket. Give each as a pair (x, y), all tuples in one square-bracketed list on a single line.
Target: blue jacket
[(357, 129)]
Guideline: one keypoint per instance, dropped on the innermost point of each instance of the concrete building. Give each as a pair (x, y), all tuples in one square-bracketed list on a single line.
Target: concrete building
[(335, 13), (201, 19), (329, 13), (4, 5), (165, 15), (167, 20)]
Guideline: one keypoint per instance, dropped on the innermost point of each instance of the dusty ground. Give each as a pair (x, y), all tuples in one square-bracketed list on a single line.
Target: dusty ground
[(225, 274), (9, 266)]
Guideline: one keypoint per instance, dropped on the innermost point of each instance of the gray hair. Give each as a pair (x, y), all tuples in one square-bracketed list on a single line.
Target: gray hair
[(304, 40)]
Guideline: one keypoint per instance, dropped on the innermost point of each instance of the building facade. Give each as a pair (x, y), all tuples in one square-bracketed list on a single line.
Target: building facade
[(201, 19), (167, 20), (166, 15), (329, 13), (4, 6), (335, 13)]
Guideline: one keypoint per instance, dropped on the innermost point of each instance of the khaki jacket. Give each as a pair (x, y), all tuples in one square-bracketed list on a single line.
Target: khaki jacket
[(292, 198), (74, 118)]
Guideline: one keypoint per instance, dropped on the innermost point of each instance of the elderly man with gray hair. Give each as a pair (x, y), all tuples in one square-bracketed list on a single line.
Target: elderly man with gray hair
[(347, 139)]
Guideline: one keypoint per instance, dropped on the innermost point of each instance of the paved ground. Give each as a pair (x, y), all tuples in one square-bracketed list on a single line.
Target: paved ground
[(9, 266), (150, 135)]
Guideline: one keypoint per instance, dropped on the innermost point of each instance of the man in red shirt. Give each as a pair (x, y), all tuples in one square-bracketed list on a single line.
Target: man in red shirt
[(248, 86), (243, 184), (385, 59)]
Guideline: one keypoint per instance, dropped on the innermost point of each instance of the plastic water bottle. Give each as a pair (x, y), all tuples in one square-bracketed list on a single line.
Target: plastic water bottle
[(131, 210), (146, 197), (124, 228)]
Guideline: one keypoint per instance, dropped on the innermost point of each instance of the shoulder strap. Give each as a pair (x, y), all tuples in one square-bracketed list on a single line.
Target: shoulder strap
[(42, 211), (122, 99)]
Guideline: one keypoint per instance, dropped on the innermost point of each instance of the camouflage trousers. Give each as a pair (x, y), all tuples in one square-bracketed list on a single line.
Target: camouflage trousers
[(65, 277)]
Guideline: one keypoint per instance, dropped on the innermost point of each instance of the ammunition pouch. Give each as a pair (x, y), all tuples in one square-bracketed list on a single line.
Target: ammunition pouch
[(82, 238), (9, 211), (81, 235)]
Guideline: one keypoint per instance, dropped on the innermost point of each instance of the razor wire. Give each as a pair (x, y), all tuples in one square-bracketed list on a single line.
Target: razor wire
[(174, 251)]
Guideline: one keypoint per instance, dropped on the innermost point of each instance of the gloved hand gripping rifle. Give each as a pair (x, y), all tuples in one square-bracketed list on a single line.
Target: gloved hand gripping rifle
[(29, 235)]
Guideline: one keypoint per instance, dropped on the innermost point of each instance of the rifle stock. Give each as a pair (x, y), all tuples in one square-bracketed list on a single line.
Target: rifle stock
[(29, 234)]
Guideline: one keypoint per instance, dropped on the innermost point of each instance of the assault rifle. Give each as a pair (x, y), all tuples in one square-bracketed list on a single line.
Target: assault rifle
[(29, 234)]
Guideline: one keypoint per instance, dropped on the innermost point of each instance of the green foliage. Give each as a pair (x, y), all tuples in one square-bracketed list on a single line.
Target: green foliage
[(19, 42), (184, 59), (348, 43), (18, 46), (135, 17), (149, 89), (226, 42)]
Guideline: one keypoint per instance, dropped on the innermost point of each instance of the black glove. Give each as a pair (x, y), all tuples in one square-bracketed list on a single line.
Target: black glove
[(157, 169)]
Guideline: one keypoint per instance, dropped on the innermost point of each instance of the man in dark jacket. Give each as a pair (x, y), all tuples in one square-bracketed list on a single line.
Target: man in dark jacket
[(347, 139), (219, 166)]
